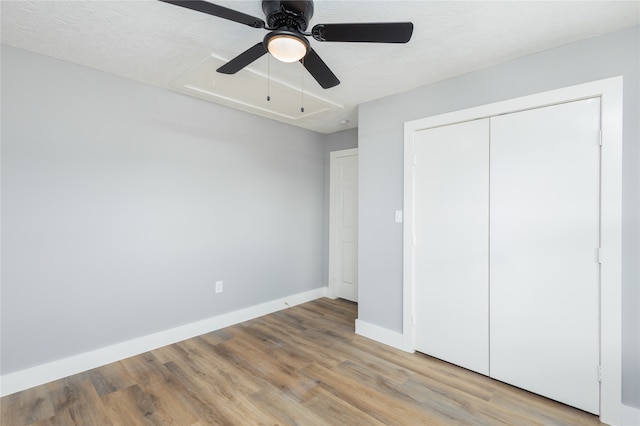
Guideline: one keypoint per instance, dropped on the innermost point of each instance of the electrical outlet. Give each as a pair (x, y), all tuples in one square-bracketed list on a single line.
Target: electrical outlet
[(219, 286)]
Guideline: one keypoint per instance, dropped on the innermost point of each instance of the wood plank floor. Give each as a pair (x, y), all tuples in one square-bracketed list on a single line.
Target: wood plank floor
[(301, 366)]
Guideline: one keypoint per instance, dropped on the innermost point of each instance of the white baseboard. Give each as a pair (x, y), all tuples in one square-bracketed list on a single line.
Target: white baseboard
[(380, 334), (30, 377), (630, 416)]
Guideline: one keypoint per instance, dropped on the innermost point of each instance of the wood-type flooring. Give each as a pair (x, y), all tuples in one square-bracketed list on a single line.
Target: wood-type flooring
[(300, 366)]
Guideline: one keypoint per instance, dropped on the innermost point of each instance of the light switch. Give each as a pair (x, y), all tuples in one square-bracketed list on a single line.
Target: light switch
[(398, 216)]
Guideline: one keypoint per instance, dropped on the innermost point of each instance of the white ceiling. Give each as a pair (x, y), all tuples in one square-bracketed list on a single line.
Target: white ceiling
[(179, 49)]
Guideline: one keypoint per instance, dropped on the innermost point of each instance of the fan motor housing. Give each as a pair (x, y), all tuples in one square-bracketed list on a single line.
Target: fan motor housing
[(292, 14)]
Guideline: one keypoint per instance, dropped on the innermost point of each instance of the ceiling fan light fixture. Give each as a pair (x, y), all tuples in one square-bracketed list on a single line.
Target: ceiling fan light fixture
[(288, 21), (286, 46)]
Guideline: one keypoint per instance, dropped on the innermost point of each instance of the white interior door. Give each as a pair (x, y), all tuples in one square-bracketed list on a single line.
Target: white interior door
[(544, 243), (343, 227), (451, 273)]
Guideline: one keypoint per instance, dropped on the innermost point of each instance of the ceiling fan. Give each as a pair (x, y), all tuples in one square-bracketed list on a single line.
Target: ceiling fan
[(288, 20)]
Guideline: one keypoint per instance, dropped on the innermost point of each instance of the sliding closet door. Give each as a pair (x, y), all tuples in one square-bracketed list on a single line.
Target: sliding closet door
[(544, 325), (451, 255)]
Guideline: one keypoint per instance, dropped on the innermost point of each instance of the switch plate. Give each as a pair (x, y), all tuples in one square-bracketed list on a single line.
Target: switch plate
[(219, 286), (398, 216)]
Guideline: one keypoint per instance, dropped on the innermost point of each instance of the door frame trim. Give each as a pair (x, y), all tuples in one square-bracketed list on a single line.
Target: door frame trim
[(610, 93), (333, 155)]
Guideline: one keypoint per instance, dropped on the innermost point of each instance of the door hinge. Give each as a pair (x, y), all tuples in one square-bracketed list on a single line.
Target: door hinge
[(599, 254), (600, 374), (413, 320), (600, 137)]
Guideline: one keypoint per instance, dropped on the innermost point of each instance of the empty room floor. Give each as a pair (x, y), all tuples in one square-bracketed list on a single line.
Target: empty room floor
[(300, 366)]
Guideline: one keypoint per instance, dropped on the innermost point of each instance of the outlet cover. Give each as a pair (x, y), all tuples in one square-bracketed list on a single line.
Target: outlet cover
[(219, 286)]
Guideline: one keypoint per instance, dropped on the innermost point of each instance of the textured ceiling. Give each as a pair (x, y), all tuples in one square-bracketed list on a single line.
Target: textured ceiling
[(172, 47)]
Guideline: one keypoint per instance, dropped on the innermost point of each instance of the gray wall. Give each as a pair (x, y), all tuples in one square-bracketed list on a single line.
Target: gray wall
[(381, 168), (338, 141), (122, 204)]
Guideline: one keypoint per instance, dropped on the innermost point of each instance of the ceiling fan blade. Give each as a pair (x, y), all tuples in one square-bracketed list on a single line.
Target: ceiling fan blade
[(319, 70), (384, 32), (219, 11), (243, 59)]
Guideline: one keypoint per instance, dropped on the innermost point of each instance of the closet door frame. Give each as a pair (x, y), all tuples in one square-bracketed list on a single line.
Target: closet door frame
[(610, 93)]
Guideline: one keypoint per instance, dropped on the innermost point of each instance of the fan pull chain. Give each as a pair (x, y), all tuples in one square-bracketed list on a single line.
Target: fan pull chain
[(268, 78), (302, 88)]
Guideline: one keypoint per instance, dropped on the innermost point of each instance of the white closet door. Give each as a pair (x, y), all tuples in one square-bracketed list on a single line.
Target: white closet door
[(544, 264), (451, 256)]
